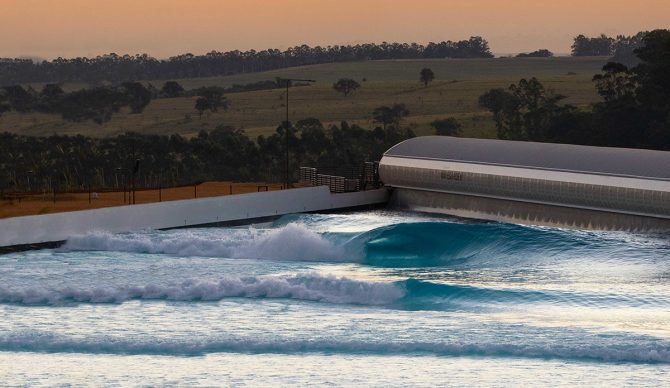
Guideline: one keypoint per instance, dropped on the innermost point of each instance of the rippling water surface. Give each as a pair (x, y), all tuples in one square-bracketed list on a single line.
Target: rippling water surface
[(379, 298)]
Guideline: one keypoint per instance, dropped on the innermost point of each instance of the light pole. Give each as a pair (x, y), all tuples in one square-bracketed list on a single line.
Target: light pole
[(287, 126)]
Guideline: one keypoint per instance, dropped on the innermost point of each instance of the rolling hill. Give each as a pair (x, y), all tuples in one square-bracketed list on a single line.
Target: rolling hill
[(454, 93)]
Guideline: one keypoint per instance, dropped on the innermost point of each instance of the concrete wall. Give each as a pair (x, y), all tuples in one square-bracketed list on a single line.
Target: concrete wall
[(541, 197), (174, 214), (522, 212)]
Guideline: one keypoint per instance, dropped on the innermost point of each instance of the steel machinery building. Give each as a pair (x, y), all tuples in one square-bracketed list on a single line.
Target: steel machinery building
[(534, 183)]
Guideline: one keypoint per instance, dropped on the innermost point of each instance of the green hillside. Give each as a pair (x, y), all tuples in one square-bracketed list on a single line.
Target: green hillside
[(454, 93)]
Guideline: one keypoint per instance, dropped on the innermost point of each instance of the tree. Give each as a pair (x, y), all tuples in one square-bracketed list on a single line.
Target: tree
[(598, 46), (201, 105), (309, 123), (137, 95), (616, 83), (427, 76), (172, 89), (314, 144), (390, 116), (211, 99), (525, 111), (346, 86), (653, 72), (543, 53), (52, 91), (50, 98), (624, 49), (20, 99), (505, 108), (97, 104), (636, 107), (447, 127), (4, 105)]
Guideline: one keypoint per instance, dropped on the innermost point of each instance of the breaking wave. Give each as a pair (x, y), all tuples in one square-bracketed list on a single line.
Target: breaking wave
[(414, 244), (308, 287), (291, 242), (410, 294)]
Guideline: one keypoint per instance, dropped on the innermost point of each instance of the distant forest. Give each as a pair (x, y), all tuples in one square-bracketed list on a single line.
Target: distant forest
[(621, 48), (39, 164), (116, 69)]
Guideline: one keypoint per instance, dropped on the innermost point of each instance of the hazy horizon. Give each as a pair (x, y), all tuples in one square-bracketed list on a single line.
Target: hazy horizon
[(163, 28)]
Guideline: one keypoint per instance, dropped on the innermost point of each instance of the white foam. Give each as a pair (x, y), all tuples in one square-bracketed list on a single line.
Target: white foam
[(309, 287), (291, 242)]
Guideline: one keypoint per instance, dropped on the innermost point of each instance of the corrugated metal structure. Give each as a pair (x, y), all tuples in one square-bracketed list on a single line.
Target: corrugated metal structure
[(341, 180), (537, 183)]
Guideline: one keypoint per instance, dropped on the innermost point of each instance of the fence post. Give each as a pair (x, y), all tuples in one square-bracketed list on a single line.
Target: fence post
[(160, 194), (195, 190), (54, 195), (89, 194)]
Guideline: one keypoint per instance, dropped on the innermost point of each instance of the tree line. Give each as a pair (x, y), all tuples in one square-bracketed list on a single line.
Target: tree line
[(226, 153), (621, 48), (97, 104), (100, 103), (634, 111), (116, 69)]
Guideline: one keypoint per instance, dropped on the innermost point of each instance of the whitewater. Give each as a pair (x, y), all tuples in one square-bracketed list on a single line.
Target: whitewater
[(380, 298)]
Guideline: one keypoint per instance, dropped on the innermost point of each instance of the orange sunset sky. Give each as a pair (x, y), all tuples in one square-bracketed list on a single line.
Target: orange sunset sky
[(52, 28)]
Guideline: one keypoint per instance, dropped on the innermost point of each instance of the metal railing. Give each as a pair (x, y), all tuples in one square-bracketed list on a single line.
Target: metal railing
[(341, 180)]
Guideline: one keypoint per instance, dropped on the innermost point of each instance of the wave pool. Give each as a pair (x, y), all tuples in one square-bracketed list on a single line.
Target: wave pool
[(382, 298)]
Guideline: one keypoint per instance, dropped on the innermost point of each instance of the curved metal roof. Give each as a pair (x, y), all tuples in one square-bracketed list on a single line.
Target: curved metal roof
[(545, 156)]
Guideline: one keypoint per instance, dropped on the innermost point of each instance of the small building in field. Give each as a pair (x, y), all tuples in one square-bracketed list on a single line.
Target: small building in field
[(533, 183)]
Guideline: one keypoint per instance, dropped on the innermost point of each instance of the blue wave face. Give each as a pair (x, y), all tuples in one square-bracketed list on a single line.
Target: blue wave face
[(434, 243), (430, 244)]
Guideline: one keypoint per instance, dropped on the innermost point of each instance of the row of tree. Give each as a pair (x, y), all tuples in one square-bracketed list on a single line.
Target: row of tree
[(100, 103), (542, 53), (634, 112), (115, 68), (621, 48), (75, 162), (97, 104)]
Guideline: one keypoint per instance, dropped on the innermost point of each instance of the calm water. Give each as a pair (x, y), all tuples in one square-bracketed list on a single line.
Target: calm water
[(377, 298)]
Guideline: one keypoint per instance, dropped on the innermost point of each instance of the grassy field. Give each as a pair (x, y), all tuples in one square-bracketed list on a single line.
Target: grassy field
[(458, 85)]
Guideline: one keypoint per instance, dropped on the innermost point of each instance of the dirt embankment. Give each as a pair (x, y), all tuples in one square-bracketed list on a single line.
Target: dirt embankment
[(15, 205)]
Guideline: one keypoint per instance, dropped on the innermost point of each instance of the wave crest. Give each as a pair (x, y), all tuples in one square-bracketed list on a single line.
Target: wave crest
[(308, 287), (290, 242), (411, 244)]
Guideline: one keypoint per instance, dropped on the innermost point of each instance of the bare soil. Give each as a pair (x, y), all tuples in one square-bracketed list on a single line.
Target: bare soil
[(34, 204)]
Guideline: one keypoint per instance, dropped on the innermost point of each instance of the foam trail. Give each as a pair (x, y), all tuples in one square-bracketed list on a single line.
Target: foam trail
[(309, 287), (290, 242), (646, 352), (410, 294)]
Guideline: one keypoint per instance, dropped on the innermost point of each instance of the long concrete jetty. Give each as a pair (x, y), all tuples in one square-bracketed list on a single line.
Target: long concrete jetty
[(52, 229)]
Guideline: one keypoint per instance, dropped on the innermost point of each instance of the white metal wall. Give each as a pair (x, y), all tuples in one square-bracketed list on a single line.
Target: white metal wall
[(626, 195)]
